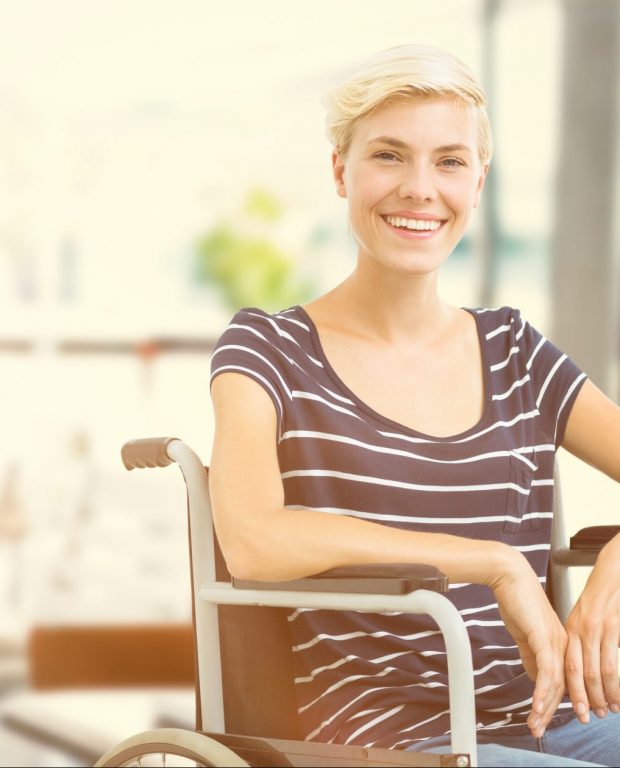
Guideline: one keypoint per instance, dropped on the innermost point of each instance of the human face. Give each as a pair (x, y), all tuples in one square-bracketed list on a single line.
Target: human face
[(411, 162)]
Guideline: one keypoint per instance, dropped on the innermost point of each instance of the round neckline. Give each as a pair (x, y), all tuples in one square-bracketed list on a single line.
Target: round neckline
[(344, 389)]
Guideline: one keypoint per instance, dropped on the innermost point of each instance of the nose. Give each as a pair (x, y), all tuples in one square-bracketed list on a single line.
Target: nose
[(417, 183)]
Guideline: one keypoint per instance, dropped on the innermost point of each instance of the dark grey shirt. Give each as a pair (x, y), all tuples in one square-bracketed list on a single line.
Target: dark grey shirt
[(381, 679)]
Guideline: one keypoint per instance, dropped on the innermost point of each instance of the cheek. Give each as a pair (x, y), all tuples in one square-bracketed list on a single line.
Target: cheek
[(368, 190), (462, 198)]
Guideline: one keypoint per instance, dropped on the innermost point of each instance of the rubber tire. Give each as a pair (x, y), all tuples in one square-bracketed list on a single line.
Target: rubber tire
[(172, 741)]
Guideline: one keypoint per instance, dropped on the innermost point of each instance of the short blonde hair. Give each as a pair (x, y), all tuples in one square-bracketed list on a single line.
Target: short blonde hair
[(406, 70)]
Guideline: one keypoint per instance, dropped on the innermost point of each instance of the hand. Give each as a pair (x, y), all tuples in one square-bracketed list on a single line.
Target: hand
[(540, 637), (593, 627)]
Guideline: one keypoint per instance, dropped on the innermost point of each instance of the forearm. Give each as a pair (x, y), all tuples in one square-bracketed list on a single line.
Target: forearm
[(288, 544), (604, 580)]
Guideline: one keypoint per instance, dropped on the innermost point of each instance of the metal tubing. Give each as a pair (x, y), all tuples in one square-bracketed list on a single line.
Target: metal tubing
[(460, 667), (203, 571)]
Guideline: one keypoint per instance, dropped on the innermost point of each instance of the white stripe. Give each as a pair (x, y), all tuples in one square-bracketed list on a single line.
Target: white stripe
[(504, 363), (281, 352), (299, 395), (283, 334), (384, 517), (481, 623), (551, 374), (487, 688), (500, 329), (496, 425), (400, 484), (497, 663), (528, 365), (510, 707), (467, 611), (364, 713), (297, 611), (255, 375), (338, 663), (329, 720), (539, 448), (379, 719), (418, 725), (381, 633), (533, 547), (516, 384), (312, 434), (497, 647), (351, 679), (267, 362), (345, 660), (282, 316), (520, 331), (290, 360), (579, 378), (499, 724), (353, 635)]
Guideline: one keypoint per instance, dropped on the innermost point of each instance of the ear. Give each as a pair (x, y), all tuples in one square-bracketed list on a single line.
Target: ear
[(338, 171), (480, 185)]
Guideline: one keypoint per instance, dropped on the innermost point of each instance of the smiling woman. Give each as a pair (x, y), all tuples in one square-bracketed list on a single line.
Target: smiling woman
[(379, 424), (432, 165)]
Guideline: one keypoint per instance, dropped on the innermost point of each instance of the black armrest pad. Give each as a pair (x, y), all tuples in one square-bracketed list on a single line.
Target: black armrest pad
[(379, 579), (594, 538)]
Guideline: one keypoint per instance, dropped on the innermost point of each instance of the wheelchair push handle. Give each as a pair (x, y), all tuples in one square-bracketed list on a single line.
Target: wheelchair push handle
[(147, 452)]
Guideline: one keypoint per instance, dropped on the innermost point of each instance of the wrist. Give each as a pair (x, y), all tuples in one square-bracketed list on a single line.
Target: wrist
[(605, 576), (504, 564)]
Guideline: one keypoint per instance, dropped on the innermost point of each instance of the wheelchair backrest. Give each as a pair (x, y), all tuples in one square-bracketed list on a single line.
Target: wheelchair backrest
[(257, 667)]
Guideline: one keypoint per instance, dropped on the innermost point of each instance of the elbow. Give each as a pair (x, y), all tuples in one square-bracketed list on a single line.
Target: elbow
[(242, 565), (247, 556)]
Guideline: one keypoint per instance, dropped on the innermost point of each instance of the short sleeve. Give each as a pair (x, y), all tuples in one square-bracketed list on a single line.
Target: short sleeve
[(555, 378), (251, 345)]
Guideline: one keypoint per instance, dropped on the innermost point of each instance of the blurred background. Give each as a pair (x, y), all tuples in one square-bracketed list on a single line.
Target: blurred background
[(163, 164)]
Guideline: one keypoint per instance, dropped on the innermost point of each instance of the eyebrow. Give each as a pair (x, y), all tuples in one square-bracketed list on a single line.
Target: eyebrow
[(393, 142)]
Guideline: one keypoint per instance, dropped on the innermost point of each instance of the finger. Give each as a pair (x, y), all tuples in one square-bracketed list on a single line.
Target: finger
[(591, 645), (573, 668), (548, 691), (609, 667)]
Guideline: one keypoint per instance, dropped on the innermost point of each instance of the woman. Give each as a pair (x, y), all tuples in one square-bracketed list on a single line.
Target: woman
[(379, 424)]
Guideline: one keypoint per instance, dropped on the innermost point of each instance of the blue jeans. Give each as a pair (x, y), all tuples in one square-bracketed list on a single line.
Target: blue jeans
[(572, 744)]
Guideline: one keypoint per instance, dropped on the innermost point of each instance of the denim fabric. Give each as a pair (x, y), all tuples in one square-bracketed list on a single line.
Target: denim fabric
[(572, 744)]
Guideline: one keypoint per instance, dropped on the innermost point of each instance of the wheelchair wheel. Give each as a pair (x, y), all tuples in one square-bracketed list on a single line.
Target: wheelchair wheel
[(169, 747)]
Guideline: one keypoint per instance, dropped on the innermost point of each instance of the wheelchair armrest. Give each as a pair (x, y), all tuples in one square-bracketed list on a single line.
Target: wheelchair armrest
[(377, 579), (593, 538)]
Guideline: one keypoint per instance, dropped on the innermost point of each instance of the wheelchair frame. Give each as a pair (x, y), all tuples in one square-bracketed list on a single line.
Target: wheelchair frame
[(208, 593)]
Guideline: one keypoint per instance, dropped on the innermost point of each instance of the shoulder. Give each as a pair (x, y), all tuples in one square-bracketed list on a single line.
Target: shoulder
[(256, 328), (499, 321)]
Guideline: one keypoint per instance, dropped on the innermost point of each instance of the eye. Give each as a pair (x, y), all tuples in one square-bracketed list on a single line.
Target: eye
[(452, 162), (385, 156)]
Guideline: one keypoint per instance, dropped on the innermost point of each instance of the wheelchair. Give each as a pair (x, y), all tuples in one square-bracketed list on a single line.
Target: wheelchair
[(245, 701)]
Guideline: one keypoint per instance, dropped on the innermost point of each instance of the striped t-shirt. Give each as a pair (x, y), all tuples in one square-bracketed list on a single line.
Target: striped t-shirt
[(381, 679)]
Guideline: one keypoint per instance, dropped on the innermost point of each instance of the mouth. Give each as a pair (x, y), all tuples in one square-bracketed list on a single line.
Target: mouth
[(413, 228)]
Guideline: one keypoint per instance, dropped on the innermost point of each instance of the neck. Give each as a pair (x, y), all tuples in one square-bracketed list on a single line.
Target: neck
[(392, 307)]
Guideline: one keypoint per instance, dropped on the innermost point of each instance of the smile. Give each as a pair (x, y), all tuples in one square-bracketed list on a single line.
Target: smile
[(420, 225), (413, 228)]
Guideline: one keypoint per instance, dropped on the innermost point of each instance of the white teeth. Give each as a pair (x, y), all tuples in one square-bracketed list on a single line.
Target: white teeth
[(417, 224)]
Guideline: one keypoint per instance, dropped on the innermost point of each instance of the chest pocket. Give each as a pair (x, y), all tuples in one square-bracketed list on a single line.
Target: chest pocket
[(522, 472)]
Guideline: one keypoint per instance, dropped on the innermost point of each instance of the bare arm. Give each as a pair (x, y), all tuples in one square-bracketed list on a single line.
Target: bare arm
[(261, 539), (593, 435)]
